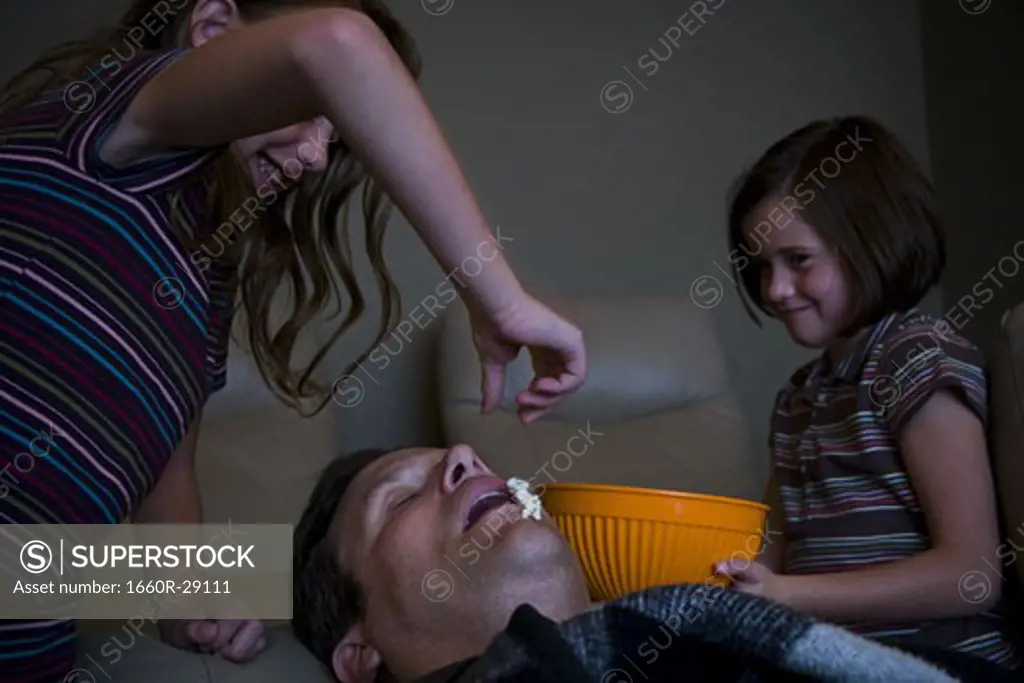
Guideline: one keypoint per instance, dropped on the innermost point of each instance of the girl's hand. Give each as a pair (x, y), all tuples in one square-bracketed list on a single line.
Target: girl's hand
[(555, 345), (753, 578), (235, 639)]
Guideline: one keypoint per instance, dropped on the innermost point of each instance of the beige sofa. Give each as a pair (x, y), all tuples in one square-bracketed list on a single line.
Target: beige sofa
[(657, 403), (236, 485), (659, 414)]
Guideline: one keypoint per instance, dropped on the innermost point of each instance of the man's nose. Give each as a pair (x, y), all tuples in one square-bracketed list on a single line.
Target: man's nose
[(461, 463)]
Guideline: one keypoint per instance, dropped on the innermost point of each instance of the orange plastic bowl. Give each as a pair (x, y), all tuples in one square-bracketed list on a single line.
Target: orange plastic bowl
[(630, 539)]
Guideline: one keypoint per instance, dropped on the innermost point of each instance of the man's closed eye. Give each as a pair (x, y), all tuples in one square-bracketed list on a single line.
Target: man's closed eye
[(400, 501)]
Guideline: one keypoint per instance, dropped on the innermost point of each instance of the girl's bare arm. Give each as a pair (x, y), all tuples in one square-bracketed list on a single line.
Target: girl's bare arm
[(334, 63), (175, 498)]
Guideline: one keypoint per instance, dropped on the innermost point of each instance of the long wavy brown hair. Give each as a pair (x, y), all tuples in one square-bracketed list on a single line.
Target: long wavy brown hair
[(303, 241)]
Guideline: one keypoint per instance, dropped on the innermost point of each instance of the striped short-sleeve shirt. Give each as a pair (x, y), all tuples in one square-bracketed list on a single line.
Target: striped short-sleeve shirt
[(845, 491), (112, 336)]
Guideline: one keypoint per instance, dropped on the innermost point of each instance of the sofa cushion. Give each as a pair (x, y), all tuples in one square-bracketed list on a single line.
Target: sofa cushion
[(657, 390), (119, 655), (259, 467), (255, 466), (645, 354), (694, 450)]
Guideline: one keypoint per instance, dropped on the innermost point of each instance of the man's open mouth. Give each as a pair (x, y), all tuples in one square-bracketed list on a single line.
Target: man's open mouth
[(485, 504)]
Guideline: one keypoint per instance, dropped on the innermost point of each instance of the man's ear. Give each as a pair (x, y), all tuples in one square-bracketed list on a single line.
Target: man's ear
[(354, 659), (211, 18)]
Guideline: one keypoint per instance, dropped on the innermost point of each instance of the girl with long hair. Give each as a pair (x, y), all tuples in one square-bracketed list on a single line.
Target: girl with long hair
[(199, 152)]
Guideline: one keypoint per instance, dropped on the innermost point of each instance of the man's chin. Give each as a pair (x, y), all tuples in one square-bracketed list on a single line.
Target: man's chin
[(508, 539), (538, 543)]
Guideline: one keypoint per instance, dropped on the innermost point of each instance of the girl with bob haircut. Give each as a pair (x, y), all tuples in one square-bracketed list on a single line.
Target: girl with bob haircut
[(881, 481)]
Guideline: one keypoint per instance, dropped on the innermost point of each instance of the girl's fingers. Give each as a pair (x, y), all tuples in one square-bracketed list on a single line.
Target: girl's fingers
[(728, 569), (492, 385), (245, 643), (202, 632), (532, 407), (548, 385), (531, 399), (228, 629)]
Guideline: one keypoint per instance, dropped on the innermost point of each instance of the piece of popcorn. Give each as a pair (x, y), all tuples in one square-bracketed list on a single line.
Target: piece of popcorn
[(528, 501)]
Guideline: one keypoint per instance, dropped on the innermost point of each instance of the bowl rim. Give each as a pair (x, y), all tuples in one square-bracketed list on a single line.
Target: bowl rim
[(664, 493)]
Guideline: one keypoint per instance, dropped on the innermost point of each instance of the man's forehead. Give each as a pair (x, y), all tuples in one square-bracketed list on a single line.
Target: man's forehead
[(388, 467)]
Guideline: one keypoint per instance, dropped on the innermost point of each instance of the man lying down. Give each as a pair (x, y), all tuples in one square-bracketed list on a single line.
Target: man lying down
[(418, 566)]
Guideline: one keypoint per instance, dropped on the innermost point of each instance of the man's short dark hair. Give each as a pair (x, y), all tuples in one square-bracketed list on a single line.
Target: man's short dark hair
[(328, 601)]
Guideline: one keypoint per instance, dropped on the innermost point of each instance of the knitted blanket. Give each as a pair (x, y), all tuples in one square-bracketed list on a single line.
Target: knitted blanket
[(693, 632)]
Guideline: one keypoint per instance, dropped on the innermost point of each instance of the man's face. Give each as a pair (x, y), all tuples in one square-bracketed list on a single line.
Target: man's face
[(438, 545)]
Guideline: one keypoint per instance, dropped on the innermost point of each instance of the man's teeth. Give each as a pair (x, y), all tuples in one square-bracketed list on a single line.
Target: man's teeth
[(486, 504)]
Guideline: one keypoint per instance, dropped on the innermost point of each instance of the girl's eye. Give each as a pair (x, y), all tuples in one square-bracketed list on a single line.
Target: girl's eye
[(797, 259)]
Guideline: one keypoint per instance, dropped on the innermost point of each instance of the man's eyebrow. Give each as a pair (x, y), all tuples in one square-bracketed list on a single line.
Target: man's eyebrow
[(394, 475)]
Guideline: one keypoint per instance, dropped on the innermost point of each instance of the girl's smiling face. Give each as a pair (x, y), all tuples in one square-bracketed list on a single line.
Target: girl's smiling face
[(802, 280), (281, 157), (278, 159)]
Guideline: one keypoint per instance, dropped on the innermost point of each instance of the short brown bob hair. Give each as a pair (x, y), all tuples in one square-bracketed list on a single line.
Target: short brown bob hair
[(867, 198)]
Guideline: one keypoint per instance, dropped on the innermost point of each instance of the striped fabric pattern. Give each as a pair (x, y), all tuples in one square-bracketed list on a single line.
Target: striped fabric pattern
[(847, 498), (111, 339)]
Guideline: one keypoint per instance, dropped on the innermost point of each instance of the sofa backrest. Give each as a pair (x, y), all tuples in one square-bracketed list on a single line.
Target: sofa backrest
[(656, 410)]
